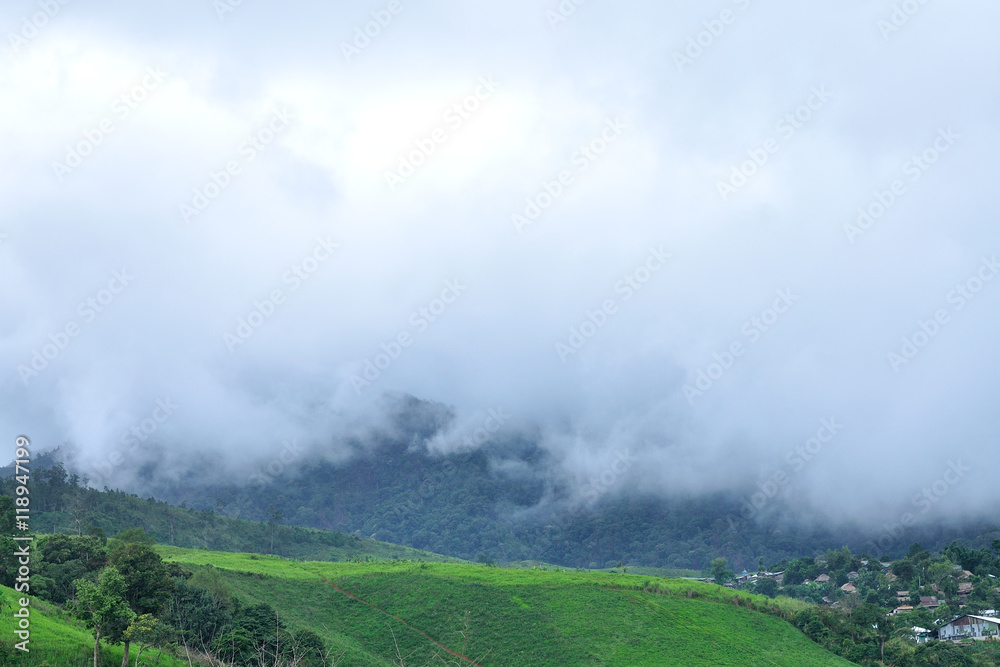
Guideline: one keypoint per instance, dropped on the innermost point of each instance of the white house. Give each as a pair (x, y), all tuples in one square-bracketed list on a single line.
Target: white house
[(970, 626)]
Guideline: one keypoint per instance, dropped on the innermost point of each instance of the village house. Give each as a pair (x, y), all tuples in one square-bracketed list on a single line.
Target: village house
[(929, 601), (968, 626), (822, 579), (902, 596), (849, 588), (901, 609)]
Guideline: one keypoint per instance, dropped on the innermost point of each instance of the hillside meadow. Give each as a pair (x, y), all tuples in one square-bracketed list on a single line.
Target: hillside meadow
[(382, 613)]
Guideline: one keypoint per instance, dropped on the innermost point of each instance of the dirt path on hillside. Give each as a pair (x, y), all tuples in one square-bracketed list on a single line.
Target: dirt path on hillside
[(415, 629)]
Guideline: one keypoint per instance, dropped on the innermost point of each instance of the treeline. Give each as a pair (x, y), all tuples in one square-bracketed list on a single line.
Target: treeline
[(396, 492), (460, 505), (123, 591), (60, 504)]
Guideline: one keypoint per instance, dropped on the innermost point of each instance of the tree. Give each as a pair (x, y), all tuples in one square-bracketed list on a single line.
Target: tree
[(904, 569), (64, 559), (721, 572), (102, 606), (949, 587), (198, 615), (767, 586), (144, 630), (147, 584), (870, 617), (838, 559)]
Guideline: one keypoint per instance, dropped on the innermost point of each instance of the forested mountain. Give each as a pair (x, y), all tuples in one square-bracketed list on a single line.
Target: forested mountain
[(462, 505)]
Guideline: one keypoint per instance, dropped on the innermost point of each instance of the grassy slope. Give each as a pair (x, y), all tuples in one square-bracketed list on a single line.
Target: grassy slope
[(515, 617), (59, 640)]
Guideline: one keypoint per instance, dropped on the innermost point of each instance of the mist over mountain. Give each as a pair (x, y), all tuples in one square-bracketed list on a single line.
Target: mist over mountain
[(504, 498), (761, 264)]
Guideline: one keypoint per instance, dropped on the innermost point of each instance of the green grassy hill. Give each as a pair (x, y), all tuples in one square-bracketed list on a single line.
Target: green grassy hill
[(434, 613), (58, 640)]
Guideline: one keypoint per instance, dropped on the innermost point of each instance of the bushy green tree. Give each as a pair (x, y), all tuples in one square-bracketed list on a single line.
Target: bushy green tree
[(64, 559), (147, 584), (766, 586), (198, 615), (103, 607), (721, 571)]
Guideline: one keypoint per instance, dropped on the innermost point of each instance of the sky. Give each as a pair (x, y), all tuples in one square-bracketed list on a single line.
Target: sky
[(731, 245)]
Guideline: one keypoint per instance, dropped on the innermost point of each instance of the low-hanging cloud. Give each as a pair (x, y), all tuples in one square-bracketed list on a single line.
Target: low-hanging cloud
[(262, 220)]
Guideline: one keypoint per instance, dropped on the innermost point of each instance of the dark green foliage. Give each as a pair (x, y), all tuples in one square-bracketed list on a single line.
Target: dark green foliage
[(64, 559), (257, 630), (941, 654), (197, 614), (766, 586), (801, 569), (148, 586), (720, 571), (978, 561), (904, 569)]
